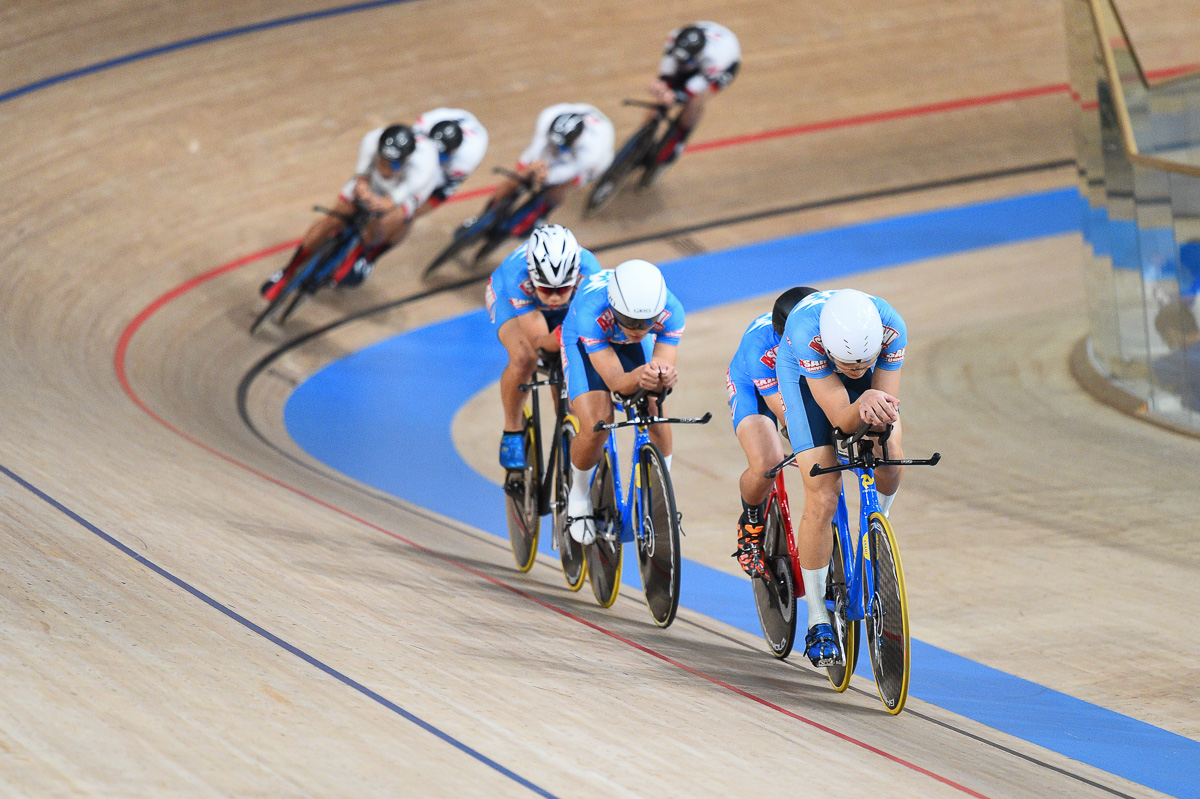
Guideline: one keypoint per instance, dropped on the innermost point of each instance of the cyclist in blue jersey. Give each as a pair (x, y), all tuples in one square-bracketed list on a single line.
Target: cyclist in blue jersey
[(838, 365), (756, 407), (527, 297), (620, 335)]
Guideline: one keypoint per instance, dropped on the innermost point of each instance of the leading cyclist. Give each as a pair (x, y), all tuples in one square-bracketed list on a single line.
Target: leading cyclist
[(698, 61), (527, 297), (838, 365), (756, 407), (397, 170), (620, 335)]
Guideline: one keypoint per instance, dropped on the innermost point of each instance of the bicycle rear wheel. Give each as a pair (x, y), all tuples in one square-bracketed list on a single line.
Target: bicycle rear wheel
[(846, 630), (775, 596), (570, 551), (521, 502), (626, 161), (604, 554), (887, 625), (658, 546)]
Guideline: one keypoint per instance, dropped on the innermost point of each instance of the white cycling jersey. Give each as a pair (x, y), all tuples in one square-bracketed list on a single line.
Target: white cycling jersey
[(715, 67), (466, 159), (410, 186), (584, 161)]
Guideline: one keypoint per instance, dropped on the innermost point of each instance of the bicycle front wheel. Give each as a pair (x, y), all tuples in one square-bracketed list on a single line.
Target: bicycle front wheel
[(887, 625), (570, 551), (775, 595), (294, 284), (658, 544), (837, 598), (604, 554), (521, 501)]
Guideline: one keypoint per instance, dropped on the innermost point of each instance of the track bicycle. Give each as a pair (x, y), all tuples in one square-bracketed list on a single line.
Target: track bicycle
[(647, 515), (317, 270), (642, 150), (542, 487), (495, 224), (865, 583)]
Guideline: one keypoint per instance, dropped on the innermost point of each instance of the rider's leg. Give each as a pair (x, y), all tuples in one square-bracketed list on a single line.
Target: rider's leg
[(586, 450), (887, 478), (814, 543), (674, 145), (536, 209), (379, 236), (323, 228), (760, 441), (521, 363)]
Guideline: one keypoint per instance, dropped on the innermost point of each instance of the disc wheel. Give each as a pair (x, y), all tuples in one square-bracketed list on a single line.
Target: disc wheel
[(837, 598), (887, 624), (658, 548), (775, 596), (604, 554), (614, 177), (570, 551), (521, 502)]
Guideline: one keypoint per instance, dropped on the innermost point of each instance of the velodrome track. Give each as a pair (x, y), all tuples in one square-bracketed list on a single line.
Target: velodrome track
[(189, 611)]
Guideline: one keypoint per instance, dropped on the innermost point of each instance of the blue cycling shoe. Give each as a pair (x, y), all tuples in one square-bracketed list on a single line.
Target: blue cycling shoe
[(512, 450), (820, 645)]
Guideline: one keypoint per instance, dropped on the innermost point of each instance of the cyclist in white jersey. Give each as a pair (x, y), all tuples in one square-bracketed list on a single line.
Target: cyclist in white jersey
[(698, 61), (461, 142), (396, 172), (572, 146)]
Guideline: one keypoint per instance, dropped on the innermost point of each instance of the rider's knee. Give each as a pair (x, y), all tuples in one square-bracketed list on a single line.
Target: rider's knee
[(821, 498)]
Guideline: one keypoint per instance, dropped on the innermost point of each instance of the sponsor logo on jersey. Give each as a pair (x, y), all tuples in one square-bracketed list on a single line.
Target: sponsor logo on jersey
[(607, 321), (894, 357), (763, 383), (889, 335), (768, 357), (592, 342)]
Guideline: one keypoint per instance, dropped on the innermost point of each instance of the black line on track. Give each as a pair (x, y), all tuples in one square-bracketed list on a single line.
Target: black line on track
[(799, 667), (264, 363)]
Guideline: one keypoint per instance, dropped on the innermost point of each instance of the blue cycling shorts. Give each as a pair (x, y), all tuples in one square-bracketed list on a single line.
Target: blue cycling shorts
[(744, 399), (582, 377)]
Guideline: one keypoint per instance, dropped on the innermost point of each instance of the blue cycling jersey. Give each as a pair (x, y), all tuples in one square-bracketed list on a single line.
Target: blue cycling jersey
[(510, 292), (591, 321), (801, 355), (754, 360), (802, 348)]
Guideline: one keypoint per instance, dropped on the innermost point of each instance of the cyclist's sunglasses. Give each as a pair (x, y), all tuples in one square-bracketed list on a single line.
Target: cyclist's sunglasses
[(629, 323), (559, 291)]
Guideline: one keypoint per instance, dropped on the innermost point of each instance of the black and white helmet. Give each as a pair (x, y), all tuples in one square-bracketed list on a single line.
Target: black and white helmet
[(553, 257)]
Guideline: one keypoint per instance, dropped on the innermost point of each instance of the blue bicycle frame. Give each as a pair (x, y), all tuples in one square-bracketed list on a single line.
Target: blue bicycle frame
[(860, 582), (633, 498)]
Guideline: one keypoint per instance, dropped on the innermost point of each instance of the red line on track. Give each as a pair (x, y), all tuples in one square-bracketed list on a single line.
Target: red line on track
[(123, 343)]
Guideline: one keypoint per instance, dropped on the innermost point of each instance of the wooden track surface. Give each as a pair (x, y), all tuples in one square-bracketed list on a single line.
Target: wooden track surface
[(299, 629)]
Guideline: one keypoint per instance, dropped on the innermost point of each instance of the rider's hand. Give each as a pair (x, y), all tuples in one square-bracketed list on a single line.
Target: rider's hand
[(662, 92), (878, 408)]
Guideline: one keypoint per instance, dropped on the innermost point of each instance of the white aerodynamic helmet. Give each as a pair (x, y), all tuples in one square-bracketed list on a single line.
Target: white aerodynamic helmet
[(637, 294), (851, 329), (552, 255)]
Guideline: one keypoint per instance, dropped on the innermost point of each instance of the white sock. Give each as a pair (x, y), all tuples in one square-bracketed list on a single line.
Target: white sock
[(667, 460), (579, 502), (885, 502), (814, 594)]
